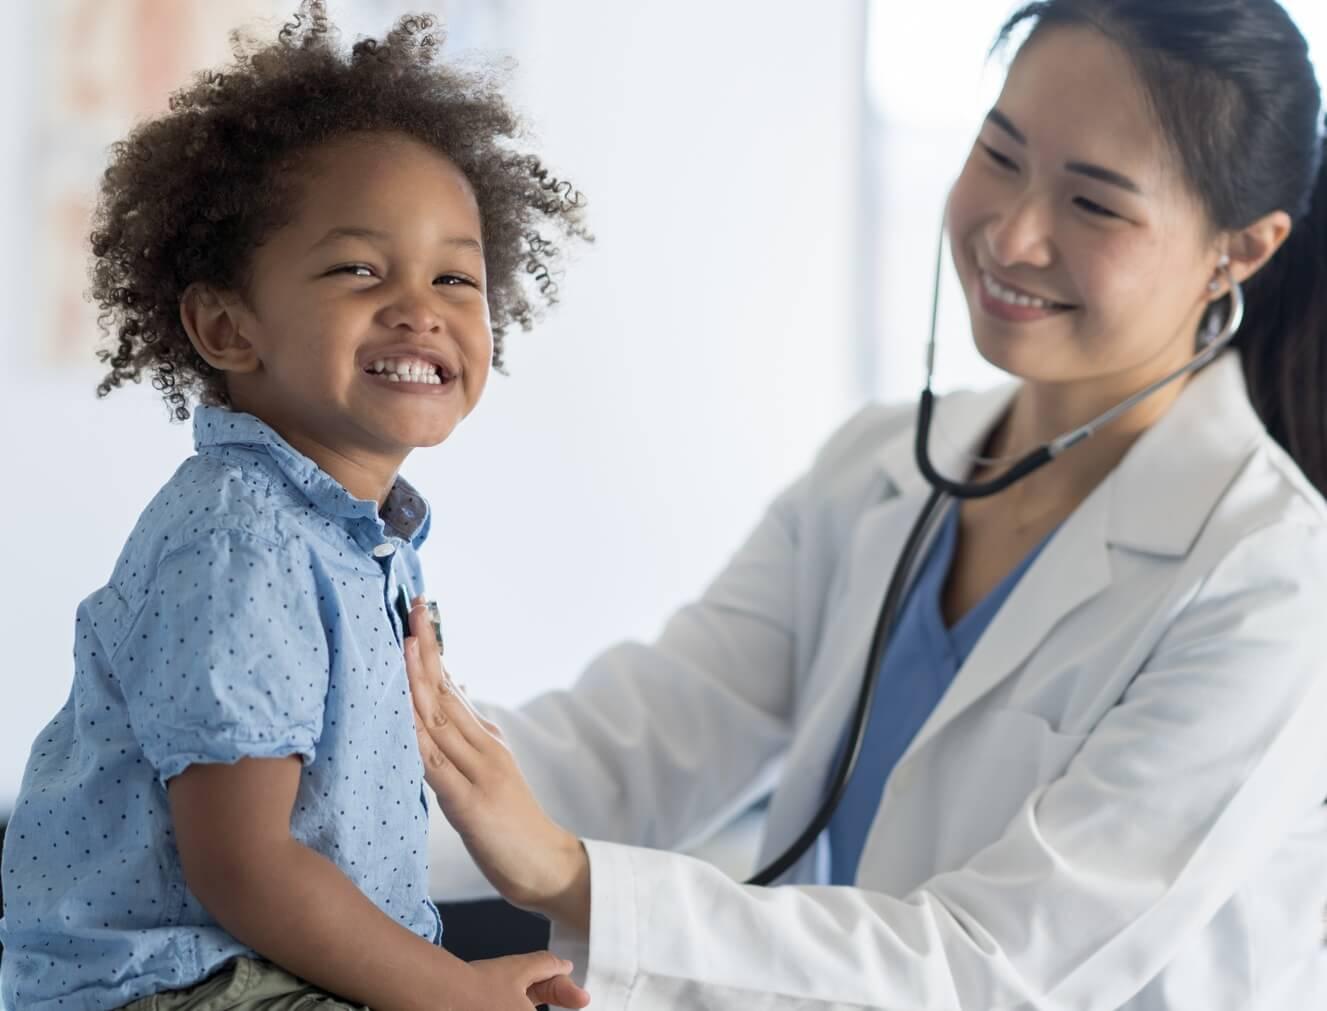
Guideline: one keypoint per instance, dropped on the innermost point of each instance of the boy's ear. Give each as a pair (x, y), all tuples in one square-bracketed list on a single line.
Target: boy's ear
[(212, 322)]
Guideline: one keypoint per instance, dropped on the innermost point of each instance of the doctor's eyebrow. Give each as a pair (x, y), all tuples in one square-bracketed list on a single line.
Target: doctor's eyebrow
[(998, 119)]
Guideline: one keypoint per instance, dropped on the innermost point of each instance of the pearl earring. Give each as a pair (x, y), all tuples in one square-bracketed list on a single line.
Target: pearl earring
[(1214, 285)]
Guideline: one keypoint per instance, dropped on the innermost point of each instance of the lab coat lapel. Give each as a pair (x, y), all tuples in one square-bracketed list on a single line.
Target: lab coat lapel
[(1156, 501), (873, 550), (1042, 599)]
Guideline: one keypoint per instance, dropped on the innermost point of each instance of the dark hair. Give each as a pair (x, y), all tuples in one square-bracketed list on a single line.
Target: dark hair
[(188, 196), (1233, 89)]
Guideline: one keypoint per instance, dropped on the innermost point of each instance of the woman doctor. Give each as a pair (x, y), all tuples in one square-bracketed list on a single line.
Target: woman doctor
[(1095, 765)]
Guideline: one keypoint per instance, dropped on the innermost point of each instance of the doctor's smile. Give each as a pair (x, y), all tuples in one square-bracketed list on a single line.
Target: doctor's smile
[(1015, 304)]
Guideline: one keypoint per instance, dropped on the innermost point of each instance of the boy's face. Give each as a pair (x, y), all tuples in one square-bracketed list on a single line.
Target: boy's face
[(368, 311)]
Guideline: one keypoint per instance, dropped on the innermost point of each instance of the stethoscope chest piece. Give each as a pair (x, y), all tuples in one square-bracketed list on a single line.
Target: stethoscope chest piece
[(431, 606)]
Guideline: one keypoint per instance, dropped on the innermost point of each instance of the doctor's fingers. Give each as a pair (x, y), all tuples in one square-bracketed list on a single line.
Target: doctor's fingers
[(442, 746), (440, 773), (434, 691), (443, 717), (431, 686), (452, 703)]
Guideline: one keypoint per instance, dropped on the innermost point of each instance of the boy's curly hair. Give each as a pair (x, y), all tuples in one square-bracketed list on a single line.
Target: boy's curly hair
[(187, 197)]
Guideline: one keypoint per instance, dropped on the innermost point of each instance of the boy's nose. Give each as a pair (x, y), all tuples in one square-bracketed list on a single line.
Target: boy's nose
[(412, 313)]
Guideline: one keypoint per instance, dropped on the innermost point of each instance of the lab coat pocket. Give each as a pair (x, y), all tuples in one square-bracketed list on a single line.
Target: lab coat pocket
[(1007, 755), (1023, 750)]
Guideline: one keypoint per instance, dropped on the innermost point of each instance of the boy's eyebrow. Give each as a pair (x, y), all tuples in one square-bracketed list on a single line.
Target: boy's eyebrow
[(354, 232), (998, 119)]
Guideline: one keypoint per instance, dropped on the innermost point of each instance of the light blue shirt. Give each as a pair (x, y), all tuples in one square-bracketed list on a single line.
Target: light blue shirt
[(250, 614), (922, 658)]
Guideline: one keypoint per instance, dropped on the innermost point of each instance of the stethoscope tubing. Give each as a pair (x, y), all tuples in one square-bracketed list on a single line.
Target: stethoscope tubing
[(942, 490), (884, 628)]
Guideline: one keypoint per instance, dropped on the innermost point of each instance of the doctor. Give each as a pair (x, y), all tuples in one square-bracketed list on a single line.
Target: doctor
[(1094, 769)]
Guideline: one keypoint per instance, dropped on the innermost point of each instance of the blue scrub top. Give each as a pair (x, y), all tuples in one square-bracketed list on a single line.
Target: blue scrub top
[(921, 660)]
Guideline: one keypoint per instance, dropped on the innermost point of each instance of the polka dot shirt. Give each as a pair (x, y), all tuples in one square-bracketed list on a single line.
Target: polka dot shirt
[(251, 614)]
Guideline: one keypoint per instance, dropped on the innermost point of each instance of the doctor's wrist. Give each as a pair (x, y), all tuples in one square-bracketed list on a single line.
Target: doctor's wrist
[(566, 898)]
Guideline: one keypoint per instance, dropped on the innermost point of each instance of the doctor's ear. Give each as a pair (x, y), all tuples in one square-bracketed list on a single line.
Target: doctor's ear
[(214, 322), (1249, 249)]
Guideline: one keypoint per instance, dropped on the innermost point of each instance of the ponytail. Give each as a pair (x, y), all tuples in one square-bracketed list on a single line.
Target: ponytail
[(1284, 340)]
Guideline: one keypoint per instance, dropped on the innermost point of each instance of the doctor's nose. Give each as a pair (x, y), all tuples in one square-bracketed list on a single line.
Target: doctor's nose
[(1020, 235)]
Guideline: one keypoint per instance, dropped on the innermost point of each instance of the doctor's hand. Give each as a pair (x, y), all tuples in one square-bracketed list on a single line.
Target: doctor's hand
[(532, 861)]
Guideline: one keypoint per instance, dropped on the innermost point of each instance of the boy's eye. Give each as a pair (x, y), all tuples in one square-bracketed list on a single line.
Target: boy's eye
[(354, 269), (1094, 208), (452, 280), (999, 159)]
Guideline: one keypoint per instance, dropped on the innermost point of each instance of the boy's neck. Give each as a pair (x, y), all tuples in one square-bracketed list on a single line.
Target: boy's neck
[(364, 475), (370, 479)]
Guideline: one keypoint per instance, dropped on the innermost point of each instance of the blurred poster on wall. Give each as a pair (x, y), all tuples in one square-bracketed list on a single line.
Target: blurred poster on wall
[(106, 64)]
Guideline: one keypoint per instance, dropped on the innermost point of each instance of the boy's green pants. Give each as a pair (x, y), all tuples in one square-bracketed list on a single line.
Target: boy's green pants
[(245, 985)]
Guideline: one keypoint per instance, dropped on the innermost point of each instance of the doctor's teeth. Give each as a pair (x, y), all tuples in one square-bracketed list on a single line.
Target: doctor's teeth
[(1011, 297)]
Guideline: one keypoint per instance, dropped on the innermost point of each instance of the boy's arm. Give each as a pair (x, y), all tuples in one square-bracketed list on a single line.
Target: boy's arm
[(290, 904), (296, 908)]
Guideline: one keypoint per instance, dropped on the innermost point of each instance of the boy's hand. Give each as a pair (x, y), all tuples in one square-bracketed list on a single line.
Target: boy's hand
[(517, 982), (532, 861)]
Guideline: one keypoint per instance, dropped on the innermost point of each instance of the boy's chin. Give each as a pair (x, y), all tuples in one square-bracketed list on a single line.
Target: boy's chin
[(427, 437)]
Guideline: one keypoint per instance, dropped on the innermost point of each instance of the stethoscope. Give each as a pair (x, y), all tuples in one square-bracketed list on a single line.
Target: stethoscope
[(943, 489)]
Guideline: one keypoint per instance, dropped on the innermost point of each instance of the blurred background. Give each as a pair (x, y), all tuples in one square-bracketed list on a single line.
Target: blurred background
[(765, 179)]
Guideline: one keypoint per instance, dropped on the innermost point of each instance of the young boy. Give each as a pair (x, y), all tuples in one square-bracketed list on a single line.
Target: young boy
[(324, 249)]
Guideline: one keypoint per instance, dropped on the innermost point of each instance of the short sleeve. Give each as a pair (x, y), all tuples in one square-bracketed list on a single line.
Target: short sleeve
[(228, 658)]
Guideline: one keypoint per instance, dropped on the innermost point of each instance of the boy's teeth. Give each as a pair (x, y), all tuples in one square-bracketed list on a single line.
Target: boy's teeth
[(411, 377), (407, 370), (427, 378)]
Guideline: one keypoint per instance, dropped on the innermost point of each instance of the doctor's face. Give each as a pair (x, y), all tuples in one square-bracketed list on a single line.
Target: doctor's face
[(1083, 254)]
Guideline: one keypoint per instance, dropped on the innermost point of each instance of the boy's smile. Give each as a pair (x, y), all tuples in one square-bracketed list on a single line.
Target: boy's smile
[(366, 317), (413, 366)]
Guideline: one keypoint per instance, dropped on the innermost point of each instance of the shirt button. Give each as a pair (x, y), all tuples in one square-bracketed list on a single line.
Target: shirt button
[(384, 550)]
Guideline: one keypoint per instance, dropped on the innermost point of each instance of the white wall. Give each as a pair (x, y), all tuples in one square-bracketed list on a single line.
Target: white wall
[(704, 348)]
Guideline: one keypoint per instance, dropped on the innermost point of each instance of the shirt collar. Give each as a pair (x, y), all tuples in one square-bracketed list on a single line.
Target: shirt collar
[(405, 514)]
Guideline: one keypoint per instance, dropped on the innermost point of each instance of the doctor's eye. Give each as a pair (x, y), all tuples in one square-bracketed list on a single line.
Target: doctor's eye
[(1094, 208), (1004, 161)]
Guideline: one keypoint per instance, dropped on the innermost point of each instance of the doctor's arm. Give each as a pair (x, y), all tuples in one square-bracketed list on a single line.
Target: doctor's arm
[(659, 743), (656, 743), (1191, 781)]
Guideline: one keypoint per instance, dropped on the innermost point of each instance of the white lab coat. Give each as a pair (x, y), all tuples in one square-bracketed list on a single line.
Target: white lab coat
[(1118, 803)]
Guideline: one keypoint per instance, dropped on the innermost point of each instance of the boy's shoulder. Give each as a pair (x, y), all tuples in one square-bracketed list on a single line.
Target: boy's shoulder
[(212, 496), (238, 489)]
